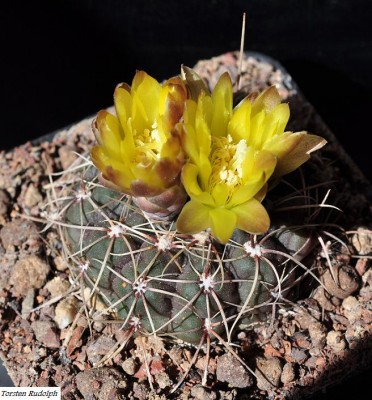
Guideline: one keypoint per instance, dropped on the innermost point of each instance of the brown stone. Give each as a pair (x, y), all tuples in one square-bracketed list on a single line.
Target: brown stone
[(268, 372), (230, 370), (28, 273), (342, 282), (18, 232), (45, 332)]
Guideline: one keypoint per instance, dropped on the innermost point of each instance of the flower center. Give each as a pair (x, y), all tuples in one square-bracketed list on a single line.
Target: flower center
[(227, 161), (148, 144)]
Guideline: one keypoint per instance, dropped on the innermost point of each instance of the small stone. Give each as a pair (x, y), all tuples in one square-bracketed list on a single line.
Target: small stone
[(345, 281), (200, 393), (362, 241), (28, 273), (45, 333), (163, 380), (4, 205), (350, 303), (268, 372), (100, 348), (352, 309), (66, 311), (206, 362), (323, 299), (311, 362), (288, 373), (336, 341), (129, 366), (298, 355), (93, 301), (361, 266), (317, 332), (19, 232), (67, 156), (28, 303), (57, 287), (140, 391), (100, 383), (32, 196), (303, 317), (230, 370), (367, 277), (301, 340), (60, 263)]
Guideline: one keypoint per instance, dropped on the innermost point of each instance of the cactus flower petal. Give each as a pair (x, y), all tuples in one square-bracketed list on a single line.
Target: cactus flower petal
[(269, 118), (193, 218), (252, 217), (223, 222), (293, 149)]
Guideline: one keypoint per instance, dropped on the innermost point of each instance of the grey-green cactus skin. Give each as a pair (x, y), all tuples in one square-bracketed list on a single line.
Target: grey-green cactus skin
[(159, 282)]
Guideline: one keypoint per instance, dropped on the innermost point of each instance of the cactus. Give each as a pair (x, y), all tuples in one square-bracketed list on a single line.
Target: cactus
[(188, 280), (158, 281)]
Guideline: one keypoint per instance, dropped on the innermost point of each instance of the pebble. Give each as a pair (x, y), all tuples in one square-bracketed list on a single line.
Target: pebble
[(32, 196), (361, 266), (4, 205), (28, 303), (60, 263), (163, 380), (317, 333), (268, 372), (93, 301), (298, 355), (67, 156), (28, 273), (302, 340), (100, 383), (362, 241), (99, 348), (367, 277), (346, 281), (230, 370), (45, 333), (129, 366), (57, 286), (288, 373), (336, 341), (303, 317), (66, 311), (354, 333), (323, 299), (17, 232), (352, 309), (200, 393), (140, 391)]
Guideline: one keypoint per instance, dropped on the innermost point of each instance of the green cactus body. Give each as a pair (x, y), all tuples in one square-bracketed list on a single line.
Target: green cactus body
[(159, 282)]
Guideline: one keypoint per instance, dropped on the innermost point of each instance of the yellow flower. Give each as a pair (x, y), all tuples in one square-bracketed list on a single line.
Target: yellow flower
[(225, 177), (139, 151), (231, 155), (262, 121)]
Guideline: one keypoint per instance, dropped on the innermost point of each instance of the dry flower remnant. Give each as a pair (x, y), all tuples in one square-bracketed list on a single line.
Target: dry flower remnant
[(232, 153), (138, 151)]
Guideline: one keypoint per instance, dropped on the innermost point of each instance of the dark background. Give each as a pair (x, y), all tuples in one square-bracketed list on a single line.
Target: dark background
[(61, 59)]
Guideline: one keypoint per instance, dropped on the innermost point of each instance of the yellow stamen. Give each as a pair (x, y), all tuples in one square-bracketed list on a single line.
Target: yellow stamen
[(148, 145), (227, 159)]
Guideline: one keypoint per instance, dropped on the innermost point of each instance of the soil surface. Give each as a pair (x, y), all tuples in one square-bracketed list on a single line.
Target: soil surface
[(305, 346)]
